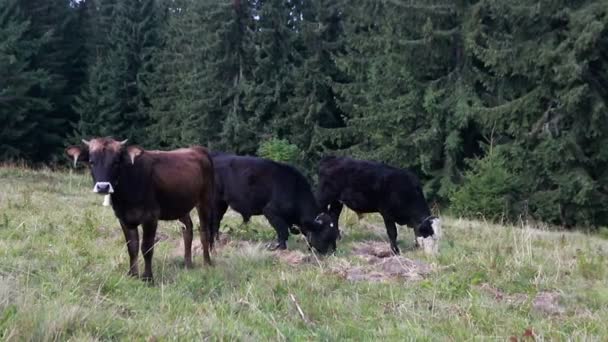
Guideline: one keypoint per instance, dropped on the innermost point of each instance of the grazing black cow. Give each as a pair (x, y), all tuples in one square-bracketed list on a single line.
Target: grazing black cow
[(256, 186), (147, 186), (367, 187)]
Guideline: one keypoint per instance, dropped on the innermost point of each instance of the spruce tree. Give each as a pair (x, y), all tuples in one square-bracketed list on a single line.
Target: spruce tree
[(542, 84), (23, 103), (313, 107), (230, 67), (61, 56), (115, 101), (393, 68), (203, 70), (275, 58)]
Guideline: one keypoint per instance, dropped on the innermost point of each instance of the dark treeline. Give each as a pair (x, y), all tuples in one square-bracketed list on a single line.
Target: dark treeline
[(498, 105)]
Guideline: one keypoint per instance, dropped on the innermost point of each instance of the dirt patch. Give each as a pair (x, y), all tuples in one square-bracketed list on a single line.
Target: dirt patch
[(548, 303), (545, 302), (294, 258), (498, 295), (373, 249), (382, 265)]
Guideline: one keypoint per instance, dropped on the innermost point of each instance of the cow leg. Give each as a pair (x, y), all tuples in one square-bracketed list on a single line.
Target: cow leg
[(147, 249), (391, 230), (281, 227), (335, 209), (205, 228), (187, 235), (132, 239), (219, 210)]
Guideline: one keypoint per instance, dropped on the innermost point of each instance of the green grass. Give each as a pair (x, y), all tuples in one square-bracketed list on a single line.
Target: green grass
[(63, 268)]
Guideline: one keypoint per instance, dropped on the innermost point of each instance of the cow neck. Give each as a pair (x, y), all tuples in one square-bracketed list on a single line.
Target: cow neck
[(421, 215), (309, 211), (130, 186)]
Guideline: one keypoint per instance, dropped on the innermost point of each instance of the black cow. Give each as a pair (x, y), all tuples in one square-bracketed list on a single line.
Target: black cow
[(367, 187), (256, 186), (147, 186)]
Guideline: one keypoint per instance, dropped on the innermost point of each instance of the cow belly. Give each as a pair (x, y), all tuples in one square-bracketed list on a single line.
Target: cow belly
[(137, 215), (245, 210), (359, 203), (175, 207)]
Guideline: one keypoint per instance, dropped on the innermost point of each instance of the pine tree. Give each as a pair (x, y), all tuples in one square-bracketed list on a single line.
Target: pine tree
[(541, 71), (203, 71), (230, 67), (275, 58), (115, 101), (61, 56), (393, 68), (313, 106), (22, 99)]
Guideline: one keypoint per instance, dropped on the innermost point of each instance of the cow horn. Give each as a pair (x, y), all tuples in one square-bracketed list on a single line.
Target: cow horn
[(124, 141), (86, 142), (76, 159)]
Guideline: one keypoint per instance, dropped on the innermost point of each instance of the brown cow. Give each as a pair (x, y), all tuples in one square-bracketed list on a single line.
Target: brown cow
[(147, 186)]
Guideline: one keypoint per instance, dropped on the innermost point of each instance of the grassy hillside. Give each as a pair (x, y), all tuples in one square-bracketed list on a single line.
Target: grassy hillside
[(63, 268)]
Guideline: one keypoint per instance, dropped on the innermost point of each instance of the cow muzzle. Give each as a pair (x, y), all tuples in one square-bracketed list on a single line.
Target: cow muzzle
[(103, 188), (430, 244)]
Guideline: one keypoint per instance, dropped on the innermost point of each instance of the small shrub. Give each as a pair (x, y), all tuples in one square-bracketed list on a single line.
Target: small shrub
[(603, 232), (489, 190), (279, 150)]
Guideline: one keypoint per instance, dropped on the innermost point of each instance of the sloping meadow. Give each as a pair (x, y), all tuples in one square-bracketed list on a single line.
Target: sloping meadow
[(63, 267)]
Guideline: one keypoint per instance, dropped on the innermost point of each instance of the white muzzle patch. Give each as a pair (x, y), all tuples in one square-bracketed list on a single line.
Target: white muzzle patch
[(103, 185), (430, 244)]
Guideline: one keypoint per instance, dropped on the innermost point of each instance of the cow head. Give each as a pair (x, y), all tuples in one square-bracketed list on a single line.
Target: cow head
[(104, 157), (428, 234), (324, 234)]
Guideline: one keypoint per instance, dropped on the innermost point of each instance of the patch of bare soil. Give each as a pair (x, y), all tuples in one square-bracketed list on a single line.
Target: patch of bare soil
[(544, 302), (294, 258), (382, 265), (500, 296), (548, 303)]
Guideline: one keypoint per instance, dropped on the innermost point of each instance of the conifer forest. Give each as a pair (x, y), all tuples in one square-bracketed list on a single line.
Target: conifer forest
[(499, 106)]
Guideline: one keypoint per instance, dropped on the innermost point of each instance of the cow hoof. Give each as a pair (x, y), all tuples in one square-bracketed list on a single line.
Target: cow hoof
[(273, 246), (148, 279), (395, 250)]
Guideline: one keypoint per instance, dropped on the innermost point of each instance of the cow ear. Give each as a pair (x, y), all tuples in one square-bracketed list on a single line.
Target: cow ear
[(134, 152), (77, 153)]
